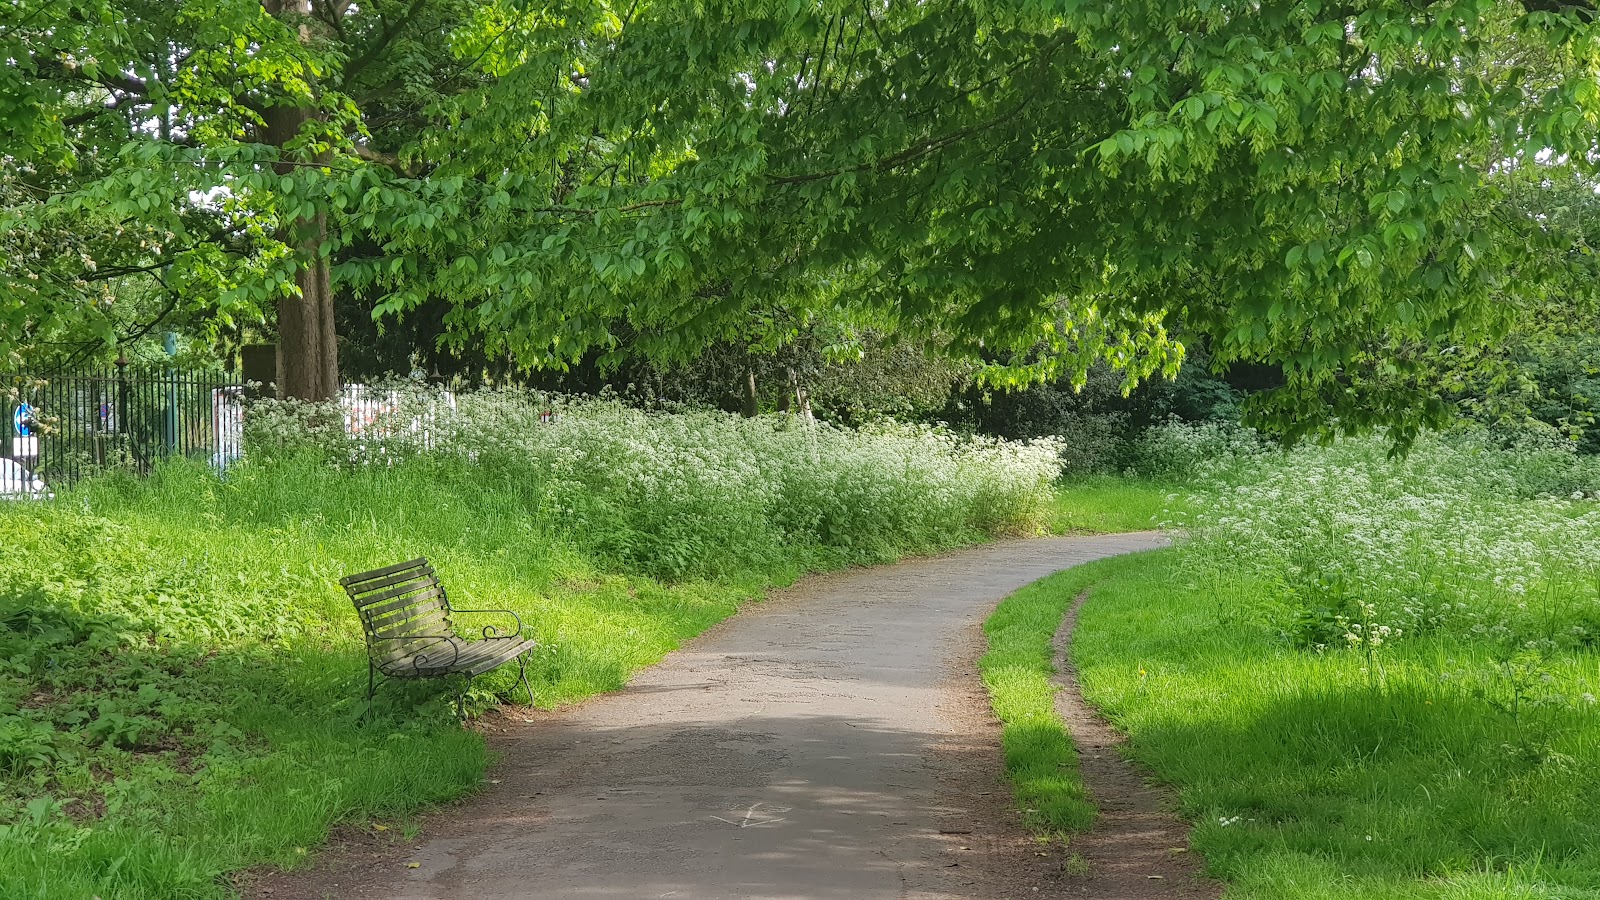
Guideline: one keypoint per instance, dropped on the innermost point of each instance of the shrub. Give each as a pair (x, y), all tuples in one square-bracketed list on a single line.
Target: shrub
[(691, 494), (1348, 539), (1092, 444), (1178, 451)]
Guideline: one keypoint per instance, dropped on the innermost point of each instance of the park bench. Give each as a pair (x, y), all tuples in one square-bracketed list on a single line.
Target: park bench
[(405, 614)]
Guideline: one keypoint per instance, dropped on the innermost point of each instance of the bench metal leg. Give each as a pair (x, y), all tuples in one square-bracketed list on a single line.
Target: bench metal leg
[(522, 671), (372, 690)]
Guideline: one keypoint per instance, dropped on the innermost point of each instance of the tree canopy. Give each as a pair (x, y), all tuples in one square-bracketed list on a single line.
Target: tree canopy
[(1315, 185)]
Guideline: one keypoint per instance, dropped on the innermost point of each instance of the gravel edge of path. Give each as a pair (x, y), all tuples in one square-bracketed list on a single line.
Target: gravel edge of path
[(1138, 849)]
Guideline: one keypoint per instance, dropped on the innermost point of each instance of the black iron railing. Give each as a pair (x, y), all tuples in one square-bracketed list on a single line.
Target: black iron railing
[(64, 426)]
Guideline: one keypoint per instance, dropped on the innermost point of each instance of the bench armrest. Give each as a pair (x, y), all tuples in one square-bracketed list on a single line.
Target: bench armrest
[(422, 660), (490, 631), (428, 656)]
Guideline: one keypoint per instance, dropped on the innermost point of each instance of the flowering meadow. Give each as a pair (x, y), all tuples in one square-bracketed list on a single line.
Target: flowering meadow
[(1368, 677), (180, 675), (1345, 547), (694, 493)]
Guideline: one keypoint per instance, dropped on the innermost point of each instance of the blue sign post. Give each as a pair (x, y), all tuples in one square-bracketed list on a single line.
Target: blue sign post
[(25, 442)]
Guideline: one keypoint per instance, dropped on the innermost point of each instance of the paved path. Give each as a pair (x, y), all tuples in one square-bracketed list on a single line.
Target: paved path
[(829, 743)]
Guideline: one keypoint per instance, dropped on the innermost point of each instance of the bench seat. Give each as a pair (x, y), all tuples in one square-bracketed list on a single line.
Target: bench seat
[(453, 655)]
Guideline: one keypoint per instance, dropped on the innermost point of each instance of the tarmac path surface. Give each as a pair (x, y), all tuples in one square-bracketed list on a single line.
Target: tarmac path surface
[(832, 742)]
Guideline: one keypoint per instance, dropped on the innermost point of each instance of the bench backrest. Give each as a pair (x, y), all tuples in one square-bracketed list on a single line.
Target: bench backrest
[(401, 607)]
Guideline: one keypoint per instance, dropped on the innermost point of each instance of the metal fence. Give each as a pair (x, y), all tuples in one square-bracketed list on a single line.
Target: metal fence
[(64, 426)]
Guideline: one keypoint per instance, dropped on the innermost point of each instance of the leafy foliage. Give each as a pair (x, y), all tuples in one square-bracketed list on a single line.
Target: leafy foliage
[(1313, 186)]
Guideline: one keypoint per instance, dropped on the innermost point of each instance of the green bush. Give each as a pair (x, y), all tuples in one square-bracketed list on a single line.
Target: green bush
[(697, 494), (1177, 451)]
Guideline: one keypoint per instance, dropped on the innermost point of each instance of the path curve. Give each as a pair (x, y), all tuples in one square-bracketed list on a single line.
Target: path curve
[(830, 743)]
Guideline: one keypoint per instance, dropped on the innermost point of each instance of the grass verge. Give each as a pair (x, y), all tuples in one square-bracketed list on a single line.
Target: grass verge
[(1103, 504), (1040, 758), (1308, 776)]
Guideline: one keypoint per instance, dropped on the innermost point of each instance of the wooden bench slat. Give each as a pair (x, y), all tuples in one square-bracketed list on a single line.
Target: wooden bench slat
[(426, 664), (392, 649), (470, 657), (348, 580), (399, 590), (363, 593), (429, 597), (497, 656), (475, 651), (368, 588), (432, 625), (396, 618), (398, 652), (478, 657)]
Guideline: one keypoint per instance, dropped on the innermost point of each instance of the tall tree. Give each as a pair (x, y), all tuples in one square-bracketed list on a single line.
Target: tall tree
[(226, 135), (1313, 185)]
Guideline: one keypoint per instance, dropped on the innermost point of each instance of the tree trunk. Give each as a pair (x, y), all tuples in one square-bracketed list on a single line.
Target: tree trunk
[(802, 398), (752, 403), (308, 350)]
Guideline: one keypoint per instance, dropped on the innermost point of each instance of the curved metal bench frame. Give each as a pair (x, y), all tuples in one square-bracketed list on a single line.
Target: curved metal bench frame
[(406, 617)]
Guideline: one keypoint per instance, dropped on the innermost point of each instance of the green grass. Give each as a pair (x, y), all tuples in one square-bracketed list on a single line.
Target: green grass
[(1307, 777), (1106, 503), (1040, 758), (181, 677)]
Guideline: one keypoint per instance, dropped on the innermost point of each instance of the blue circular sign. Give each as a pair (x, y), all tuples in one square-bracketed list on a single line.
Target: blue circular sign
[(22, 420)]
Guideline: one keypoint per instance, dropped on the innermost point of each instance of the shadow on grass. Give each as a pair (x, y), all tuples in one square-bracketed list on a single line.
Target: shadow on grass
[(1402, 786), (142, 769)]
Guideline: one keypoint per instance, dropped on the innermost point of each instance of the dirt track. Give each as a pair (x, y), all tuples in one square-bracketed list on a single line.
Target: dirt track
[(832, 742)]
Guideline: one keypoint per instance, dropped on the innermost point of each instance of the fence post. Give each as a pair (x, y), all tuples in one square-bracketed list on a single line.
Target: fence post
[(170, 344), (122, 405)]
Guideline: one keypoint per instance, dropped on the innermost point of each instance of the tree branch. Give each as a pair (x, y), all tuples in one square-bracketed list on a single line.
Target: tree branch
[(88, 116), (172, 304), (895, 160), (1584, 8), (582, 211), (127, 84), (386, 36), (934, 144), (387, 160)]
